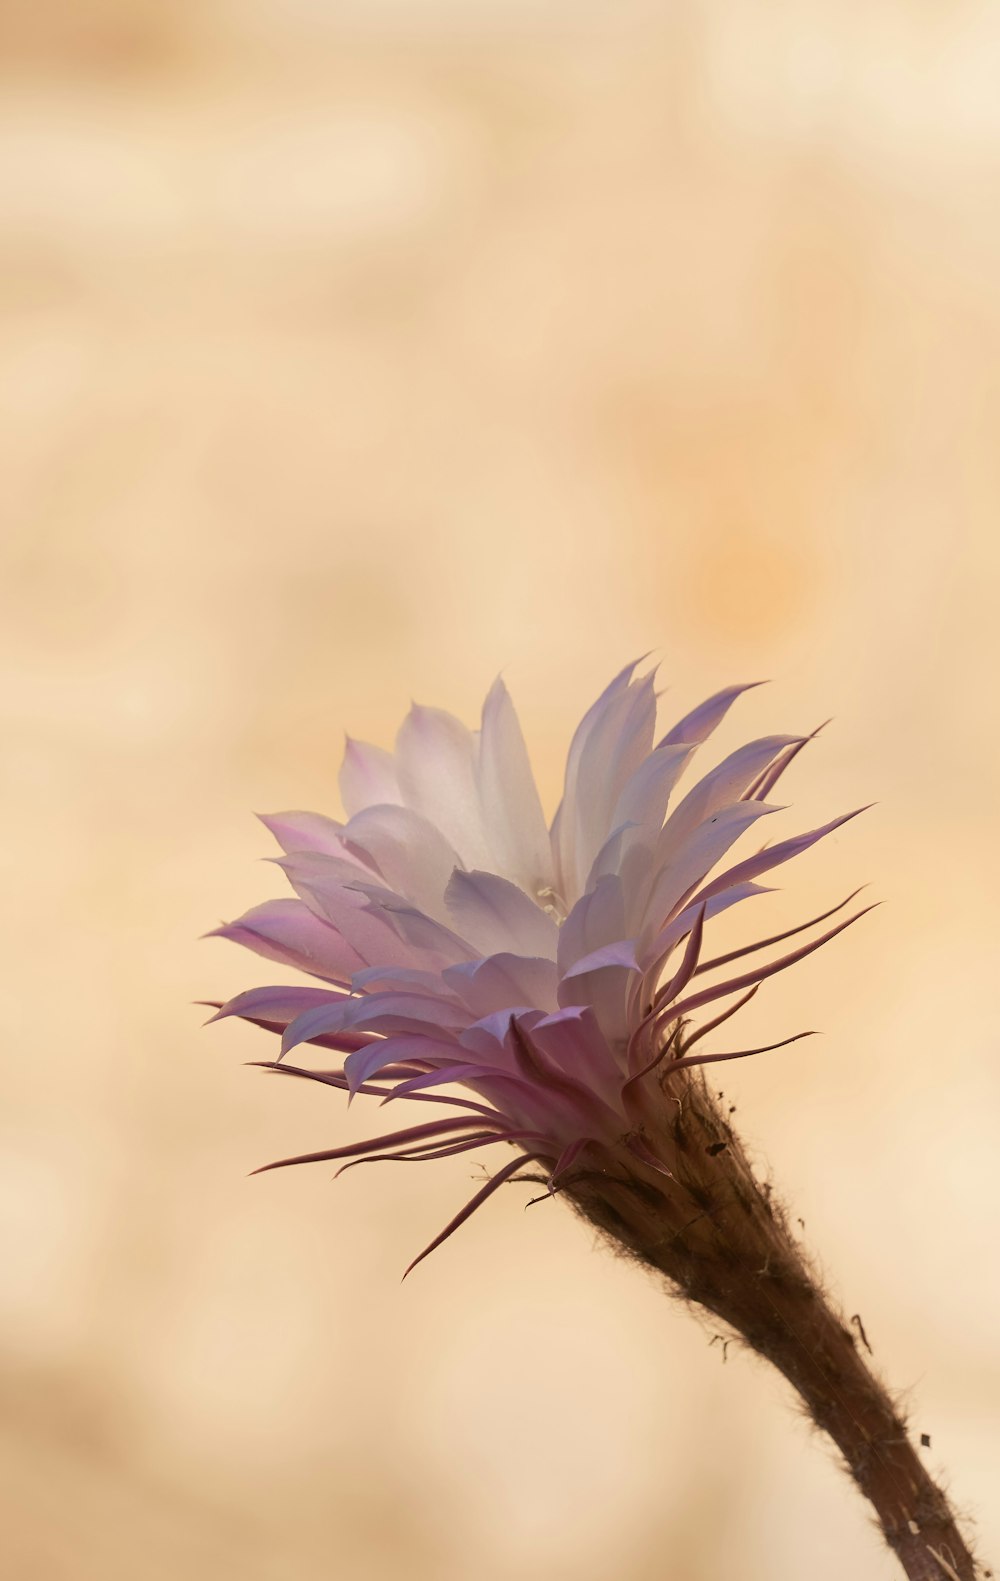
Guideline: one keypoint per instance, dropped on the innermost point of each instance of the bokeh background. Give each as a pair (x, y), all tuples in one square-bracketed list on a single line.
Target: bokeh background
[(351, 351)]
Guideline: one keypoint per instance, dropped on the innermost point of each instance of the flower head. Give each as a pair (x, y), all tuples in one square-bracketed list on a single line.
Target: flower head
[(551, 975)]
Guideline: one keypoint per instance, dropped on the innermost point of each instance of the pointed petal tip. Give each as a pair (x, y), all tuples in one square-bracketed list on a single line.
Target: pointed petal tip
[(846, 817), (474, 1202)]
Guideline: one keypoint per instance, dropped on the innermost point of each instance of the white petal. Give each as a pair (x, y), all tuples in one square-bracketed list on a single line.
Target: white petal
[(495, 915), (644, 797), (597, 919), (722, 787), (637, 820), (621, 953), (436, 758), (512, 810), (412, 855), (564, 823), (610, 743), (367, 777)]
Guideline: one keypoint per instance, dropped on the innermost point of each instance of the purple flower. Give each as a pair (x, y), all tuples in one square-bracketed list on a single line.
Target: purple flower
[(551, 975)]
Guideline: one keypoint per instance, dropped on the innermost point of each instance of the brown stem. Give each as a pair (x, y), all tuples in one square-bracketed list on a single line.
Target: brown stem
[(716, 1234)]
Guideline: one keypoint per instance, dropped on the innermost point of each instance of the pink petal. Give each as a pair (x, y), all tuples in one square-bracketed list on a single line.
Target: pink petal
[(343, 1043), (359, 909), (404, 979), (773, 856), (305, 831), (721, 788), (724, 1015), (280, 1003), (423, 1155), (679, 870), (386, 1012), (338, 1080), (287, 931), (775, 938), (474, 1203), (712, 1059), (769, 777), (699, 724), (573, 1042), (567, 1089), (412, 1134), (367, 777), (687, 967), (567, 1158), (475, 1074), (660, 947), (504, 981), (431, 945), (488, 1038), (758, 975), (636, 1145), (408, 1046)]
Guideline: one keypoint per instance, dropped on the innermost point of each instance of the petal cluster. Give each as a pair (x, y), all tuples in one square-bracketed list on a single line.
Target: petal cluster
[(531, 981)]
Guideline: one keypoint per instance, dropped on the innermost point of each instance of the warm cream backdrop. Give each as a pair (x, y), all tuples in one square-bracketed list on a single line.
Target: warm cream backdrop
[(355, 351)]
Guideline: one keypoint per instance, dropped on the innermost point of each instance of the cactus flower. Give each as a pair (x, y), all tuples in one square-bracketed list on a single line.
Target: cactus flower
[(552, 990)]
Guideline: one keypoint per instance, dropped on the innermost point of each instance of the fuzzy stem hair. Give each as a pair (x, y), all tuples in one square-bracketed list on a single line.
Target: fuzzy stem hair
[(705, 1222)]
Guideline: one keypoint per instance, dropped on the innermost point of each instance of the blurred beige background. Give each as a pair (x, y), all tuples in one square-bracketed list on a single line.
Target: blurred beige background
[(351, 351)]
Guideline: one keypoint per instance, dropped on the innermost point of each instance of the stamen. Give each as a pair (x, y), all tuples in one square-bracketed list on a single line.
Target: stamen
[(551, 901)]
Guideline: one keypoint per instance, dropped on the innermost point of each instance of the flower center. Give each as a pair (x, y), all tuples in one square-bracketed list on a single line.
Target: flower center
[(551, 901)]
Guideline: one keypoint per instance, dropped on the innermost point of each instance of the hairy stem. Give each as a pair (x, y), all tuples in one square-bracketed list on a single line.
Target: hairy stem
[(716, 1234)]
